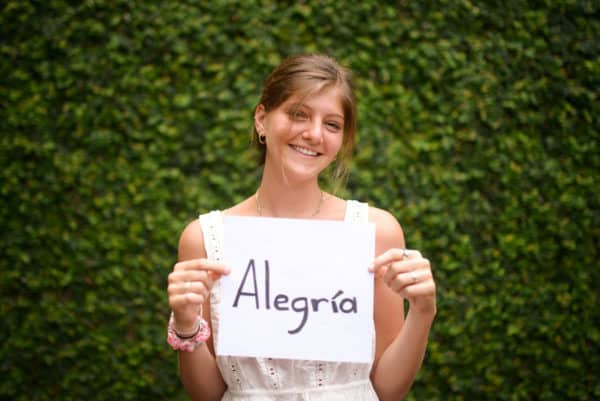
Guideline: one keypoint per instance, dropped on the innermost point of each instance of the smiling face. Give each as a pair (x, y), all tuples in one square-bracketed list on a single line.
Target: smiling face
[(303, 135), (300, 78)]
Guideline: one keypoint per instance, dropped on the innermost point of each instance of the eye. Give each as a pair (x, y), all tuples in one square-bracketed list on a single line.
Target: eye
[(297, 115), (334, 126)]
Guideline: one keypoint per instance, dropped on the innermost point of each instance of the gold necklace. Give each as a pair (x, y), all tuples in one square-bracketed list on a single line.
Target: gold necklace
[(259, 206)]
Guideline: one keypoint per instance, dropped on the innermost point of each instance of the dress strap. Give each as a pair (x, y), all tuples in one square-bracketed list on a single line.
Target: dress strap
[(213, 234), (357, 212), (212, 230)]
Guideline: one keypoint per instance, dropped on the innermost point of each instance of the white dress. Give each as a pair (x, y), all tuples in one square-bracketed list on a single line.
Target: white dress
[(268, 379)]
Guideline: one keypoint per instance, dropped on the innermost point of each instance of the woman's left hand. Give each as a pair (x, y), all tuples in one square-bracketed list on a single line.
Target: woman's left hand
[(408, 273)]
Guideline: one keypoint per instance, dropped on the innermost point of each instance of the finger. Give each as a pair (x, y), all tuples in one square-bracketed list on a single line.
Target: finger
[(182, 276), (400, 281), (182, 287), (188, 275), (393, 255), (403, 266), (202, 264), (187, 299), (422, 289), (403, 280), (191, 280)]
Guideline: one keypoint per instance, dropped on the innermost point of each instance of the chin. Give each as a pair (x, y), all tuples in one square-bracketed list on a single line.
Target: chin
[(303, 174)]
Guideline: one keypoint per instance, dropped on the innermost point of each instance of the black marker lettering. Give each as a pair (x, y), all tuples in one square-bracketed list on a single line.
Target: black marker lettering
[(267, 285), (239, 291), (351, 308), (333, 303), (304, 309), (281, 299), (315, 303), (281, 302)]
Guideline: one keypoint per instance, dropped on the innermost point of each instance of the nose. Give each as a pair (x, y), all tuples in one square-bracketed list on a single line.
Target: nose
[(313, 132)]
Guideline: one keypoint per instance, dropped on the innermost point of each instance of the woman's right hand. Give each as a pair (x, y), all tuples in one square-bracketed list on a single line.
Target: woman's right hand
[(190, 283)]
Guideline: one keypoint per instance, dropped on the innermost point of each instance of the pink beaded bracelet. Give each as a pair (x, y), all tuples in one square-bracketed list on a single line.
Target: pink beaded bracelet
[(183, 342)]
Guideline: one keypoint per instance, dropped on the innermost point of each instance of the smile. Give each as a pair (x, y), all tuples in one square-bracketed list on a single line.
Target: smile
[(304, 151)]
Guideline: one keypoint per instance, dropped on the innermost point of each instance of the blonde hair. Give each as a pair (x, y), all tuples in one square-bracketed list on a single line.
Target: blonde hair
[(305, 75)]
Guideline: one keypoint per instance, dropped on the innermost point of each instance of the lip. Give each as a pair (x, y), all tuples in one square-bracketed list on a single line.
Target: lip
[(304, 151)]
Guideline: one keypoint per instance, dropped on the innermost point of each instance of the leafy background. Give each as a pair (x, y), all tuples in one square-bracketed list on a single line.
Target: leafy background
[(122, 120)]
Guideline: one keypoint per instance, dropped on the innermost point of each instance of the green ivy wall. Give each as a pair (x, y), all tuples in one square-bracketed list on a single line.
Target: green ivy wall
[(122, 120)]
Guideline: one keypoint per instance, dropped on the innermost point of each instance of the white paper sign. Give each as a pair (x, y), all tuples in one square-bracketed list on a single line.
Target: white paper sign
[(298, 289)]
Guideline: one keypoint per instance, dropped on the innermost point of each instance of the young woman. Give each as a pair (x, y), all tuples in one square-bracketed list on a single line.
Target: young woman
[(304, 124)]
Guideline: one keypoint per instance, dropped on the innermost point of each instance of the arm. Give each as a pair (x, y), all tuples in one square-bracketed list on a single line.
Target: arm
[(198, 370), (400, 341)]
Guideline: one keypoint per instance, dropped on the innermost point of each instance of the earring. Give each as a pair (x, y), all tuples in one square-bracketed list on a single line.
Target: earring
[(262, 139)]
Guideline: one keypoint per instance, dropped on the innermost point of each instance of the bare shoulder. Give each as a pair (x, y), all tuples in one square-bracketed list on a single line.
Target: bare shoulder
[(191, 242), (389, 233), (246, 207)]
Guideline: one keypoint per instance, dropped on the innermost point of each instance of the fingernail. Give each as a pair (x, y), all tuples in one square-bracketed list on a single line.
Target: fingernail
[(371, 267)]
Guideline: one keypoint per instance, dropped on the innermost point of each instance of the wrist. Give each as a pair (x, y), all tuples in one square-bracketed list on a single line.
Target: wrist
[(423, 308), (185, 330), (190, 340), (187, 326)]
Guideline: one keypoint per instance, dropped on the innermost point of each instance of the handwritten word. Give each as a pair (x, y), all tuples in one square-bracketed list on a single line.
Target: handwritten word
[(283, 302)]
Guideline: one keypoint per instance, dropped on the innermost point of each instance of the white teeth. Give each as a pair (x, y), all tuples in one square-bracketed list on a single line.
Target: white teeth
[(305, 151)]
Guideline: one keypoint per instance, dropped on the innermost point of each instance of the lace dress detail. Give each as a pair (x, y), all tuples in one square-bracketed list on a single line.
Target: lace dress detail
[(269, 379)]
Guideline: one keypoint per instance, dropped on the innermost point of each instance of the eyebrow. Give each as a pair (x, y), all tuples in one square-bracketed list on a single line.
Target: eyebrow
[(298, 105)]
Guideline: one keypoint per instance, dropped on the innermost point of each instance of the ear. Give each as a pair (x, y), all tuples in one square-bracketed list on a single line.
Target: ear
[(259, 118)]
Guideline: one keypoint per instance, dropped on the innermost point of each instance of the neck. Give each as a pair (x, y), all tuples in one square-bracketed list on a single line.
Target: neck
[(274, 200)]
